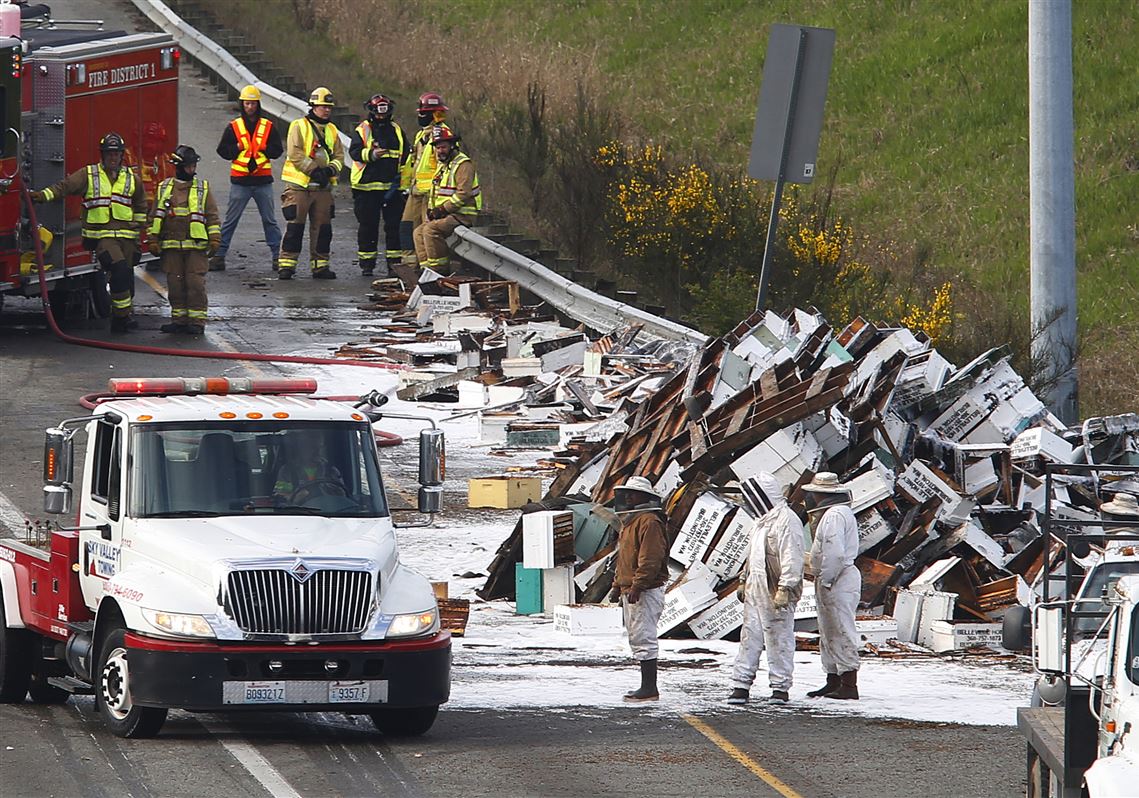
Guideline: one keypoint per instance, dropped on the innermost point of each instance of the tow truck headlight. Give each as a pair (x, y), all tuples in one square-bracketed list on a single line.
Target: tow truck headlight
[(414, 623), (178, 624)]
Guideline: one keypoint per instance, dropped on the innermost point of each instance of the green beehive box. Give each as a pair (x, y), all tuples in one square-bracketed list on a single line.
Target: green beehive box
[(527, 590)]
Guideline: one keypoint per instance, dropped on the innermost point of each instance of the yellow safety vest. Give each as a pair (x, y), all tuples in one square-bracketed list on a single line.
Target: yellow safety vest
[(107, 199), (290, 173), (425, 165), (443, 187), (365, 131), (195, 209)]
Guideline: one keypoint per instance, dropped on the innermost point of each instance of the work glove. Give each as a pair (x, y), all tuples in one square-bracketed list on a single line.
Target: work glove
[(741, 590), (615, 594), (154, 247), (213, 246), (633, 596), (782, 597), (321, 175), (37, 196), (436, 213)]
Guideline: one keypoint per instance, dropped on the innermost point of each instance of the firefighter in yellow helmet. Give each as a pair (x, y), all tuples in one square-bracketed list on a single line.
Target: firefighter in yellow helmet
[(454, 199), (114, 210), (420, 168), (250, 143), (314, 157), (184, 229)]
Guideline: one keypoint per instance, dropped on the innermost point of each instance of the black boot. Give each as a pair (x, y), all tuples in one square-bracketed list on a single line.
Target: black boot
[(833, 683), (122, 324), (848, 687), (173, 327), (368, 267), (648, 689), (779, 697), (738, 696)]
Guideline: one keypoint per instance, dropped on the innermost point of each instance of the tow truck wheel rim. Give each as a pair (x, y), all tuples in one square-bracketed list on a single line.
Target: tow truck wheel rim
[(115, 684)]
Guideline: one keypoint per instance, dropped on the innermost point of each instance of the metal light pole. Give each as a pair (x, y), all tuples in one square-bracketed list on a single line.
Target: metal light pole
[(1052, 201)]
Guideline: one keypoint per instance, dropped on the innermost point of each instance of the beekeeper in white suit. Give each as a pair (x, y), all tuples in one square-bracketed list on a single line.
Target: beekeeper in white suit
[(771, 584), (838, 583)]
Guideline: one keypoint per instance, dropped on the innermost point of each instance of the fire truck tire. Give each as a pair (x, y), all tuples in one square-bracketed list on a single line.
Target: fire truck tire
[(43, 693), (15, 662), (112, 693), (100, 294), (404, 721)]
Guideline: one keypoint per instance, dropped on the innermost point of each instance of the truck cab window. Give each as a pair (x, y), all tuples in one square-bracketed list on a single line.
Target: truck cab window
[(105, 483)]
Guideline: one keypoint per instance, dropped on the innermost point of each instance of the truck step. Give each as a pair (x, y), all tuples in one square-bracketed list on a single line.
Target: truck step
[(71, 685)]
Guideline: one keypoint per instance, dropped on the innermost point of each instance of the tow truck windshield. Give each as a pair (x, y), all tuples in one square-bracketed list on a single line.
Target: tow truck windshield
[(205, 470)]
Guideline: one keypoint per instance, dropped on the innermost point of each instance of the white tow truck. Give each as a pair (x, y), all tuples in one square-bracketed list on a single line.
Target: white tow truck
[(1085, 644), (233, 550)]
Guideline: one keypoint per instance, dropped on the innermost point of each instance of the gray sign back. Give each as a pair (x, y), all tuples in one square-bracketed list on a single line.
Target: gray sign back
[(775, 104)]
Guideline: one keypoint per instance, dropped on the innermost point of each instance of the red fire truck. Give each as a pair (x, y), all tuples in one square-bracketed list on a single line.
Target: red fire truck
[(60, 91)]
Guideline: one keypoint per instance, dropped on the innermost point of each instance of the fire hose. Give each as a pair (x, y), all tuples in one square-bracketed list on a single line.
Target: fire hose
[(90, 400)]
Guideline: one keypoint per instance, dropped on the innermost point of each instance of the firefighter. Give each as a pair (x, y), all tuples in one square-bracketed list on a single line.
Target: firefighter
[(642, 570), (454, 199), (114, 210), (380, 181), (250, 142), (421, 165), (184, 230), (314, 157)]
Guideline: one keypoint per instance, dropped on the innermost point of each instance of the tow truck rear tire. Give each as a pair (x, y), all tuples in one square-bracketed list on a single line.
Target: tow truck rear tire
[(112, 693), (404, 721), (43, 693), (15, 661)]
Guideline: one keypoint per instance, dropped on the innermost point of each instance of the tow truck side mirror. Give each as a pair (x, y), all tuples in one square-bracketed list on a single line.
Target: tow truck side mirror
[(432, 470), (59, 459), (1048, 642)]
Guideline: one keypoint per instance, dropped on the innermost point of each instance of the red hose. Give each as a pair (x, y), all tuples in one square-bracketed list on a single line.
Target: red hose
[(157, 350)]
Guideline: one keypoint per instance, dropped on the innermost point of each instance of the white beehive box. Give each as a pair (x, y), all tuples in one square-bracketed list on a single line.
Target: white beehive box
[(538, 539), (557, 587), (950, 636), (589, 619), (723, 617)]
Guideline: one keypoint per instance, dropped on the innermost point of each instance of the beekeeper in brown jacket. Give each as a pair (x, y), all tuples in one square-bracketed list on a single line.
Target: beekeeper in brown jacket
[(642, 554)]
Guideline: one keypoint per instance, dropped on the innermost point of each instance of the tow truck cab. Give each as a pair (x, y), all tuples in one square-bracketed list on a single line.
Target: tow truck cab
[(232, 551)]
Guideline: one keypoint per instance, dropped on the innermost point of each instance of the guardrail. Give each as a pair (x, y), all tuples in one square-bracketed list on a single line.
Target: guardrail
[(597, 312)]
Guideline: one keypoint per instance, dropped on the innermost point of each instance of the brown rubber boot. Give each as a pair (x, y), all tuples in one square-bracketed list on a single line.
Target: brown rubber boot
[(648, 689), (833, 683), (848, 687)]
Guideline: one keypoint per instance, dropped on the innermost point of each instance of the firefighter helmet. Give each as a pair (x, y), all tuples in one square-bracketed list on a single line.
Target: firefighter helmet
[(442, 133), (112, 142), (430, 101), (321, 96), (184, 155), (250, 94), (380, 106)]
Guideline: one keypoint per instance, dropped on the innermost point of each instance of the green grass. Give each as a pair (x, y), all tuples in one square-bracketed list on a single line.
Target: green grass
[(926, 124)]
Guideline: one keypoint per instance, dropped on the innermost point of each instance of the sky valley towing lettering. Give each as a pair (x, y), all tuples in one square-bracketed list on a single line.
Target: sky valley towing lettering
[(117, 75)]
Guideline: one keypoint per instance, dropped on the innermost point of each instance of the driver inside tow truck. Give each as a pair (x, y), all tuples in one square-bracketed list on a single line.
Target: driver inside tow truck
[(307, 471)]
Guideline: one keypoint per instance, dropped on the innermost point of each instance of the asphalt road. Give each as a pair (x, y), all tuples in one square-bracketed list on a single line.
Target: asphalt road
[(64, 750)]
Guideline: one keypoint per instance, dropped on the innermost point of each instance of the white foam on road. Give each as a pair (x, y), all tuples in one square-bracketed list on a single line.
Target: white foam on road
[(11, 518)]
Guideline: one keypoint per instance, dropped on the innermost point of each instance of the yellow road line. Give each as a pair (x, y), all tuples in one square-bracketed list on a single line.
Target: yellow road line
[(216, 339), (735, 753)]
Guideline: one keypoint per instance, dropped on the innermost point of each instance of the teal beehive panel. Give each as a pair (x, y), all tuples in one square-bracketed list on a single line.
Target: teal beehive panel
[(527, 590)]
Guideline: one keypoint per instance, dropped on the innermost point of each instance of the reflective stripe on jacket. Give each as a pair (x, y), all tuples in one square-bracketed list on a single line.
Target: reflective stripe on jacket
[(300, 155), (252, 149), (423, 172), (452, 190), (392, 157), (196, 226), (107, 199)]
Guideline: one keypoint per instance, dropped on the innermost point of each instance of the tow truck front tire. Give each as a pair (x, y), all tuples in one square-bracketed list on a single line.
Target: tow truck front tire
[(404, 721), (15, 662), (112, 693)]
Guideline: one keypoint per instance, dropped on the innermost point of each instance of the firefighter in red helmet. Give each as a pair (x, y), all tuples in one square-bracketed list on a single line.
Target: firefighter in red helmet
[(114, 211), (421, 166)]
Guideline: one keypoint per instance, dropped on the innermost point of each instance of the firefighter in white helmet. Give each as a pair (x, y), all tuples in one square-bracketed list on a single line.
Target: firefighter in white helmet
[(250, 142), (114, 211), (314, 157), (838, 583), (770, 587)]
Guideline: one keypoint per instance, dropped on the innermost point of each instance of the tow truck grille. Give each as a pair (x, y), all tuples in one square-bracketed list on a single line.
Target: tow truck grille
[(273, 601)]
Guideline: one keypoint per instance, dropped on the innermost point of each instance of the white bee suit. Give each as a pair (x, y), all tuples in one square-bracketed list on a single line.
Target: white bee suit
[(838, 585), (775, 561)]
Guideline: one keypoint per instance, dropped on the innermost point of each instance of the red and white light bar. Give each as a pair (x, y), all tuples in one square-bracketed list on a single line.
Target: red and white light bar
[(188, 386)]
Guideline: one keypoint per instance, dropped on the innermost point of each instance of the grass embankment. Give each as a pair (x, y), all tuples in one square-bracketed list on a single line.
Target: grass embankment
[(926, 119)]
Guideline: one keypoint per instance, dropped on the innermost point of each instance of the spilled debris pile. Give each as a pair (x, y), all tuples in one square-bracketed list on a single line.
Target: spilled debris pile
[(943, 465)]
